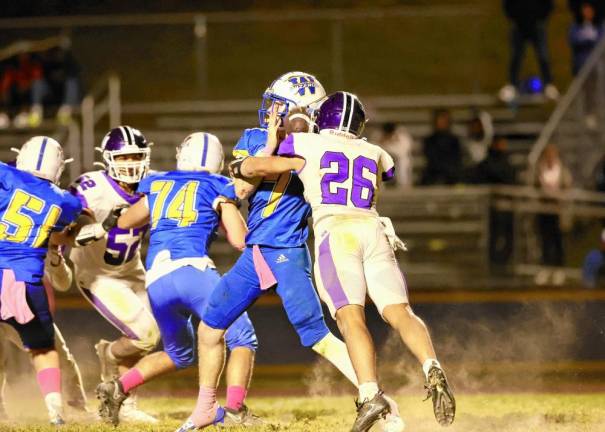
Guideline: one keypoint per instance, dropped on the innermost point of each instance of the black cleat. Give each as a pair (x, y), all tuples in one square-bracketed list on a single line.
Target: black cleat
[(111, 396), (438, 389), (369, 412)]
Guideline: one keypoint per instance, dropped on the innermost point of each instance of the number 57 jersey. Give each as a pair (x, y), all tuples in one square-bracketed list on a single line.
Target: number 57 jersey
[(341, 175), (117, 255)]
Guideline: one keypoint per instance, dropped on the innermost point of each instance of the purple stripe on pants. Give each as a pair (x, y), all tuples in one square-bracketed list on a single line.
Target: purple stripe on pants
[(329, 276), (96, 301)]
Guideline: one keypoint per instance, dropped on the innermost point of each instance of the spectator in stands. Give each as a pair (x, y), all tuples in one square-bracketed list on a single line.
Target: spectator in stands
[(584, 35), (593, 269), (443, 152), (528, 24), (496, 169), (397, 141), (552, 177), (61, 84), (575, 7), (20, 75), (480, 133)]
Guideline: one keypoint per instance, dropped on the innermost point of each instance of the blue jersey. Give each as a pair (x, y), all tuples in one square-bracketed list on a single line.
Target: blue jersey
[(30, 208), (182, 207), (277, 210)]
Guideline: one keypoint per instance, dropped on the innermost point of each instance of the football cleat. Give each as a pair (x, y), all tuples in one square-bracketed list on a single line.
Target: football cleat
[(241, 417), (111, 397), (56, 420), (186, 427), (109, 367), (130, 413), (438, 389), (369, 412), (219, 419)]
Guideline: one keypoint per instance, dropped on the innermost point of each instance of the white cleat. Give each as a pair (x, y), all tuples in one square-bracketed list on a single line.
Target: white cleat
[(130, 413), (109, 367)]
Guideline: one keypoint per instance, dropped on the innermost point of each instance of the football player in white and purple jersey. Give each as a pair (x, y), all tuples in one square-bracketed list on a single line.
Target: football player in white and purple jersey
[(108, 268), (342, 174)]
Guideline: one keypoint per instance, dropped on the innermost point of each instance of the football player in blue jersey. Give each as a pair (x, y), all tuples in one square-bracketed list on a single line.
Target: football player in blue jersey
[(276, 254), (34, 211), (185, 208)]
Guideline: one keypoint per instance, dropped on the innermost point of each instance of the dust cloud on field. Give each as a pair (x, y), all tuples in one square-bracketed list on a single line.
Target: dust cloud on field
[(516, 352)]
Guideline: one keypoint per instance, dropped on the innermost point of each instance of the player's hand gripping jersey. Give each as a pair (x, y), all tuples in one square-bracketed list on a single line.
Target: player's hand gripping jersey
[(277, 212), (30, 208), (118, 253), (341, 175), (188, 200)]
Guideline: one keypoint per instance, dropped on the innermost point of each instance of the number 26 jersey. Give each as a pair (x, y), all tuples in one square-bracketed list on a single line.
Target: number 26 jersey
[(341, 175), (118, 253)]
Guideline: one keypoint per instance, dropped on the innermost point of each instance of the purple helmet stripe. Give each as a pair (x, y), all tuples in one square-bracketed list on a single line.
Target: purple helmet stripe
[(41, 154), (205, 150)]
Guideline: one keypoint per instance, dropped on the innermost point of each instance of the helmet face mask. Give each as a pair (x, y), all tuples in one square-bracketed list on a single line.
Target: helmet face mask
[(293, 89), (43, 157), (126, 154), (200, 151)]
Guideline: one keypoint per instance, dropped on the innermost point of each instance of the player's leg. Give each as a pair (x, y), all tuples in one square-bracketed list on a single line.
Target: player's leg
[(3, 328), (341, 284), (124, 304), (122, 307), (172, 317), (234, 294), (242, 344), (240, 340), (388, 291), (37, 336)]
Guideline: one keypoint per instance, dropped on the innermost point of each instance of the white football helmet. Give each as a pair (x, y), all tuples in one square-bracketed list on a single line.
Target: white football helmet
[(200, 151), (292, 89), (43, 157), (117, 145)]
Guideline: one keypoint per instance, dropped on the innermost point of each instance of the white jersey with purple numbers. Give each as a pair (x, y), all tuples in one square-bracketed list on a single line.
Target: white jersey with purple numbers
[(118, 253), (341, 175)]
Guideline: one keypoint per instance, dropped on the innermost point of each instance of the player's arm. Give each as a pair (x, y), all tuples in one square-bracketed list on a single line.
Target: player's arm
[(245, 187), (263, 166), (232, 223), (136, 216)]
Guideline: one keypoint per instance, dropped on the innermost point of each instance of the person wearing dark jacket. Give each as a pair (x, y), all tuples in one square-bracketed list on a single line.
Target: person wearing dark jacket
[(496, 169), (528, 24), (443, 152), (584, 35)]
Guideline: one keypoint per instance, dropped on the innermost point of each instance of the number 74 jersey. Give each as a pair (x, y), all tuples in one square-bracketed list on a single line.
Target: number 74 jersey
[(118, 253), (341, 175)]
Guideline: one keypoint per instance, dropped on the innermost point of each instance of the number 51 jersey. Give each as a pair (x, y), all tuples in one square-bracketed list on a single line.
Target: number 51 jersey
[(341, 175), (118, 253)]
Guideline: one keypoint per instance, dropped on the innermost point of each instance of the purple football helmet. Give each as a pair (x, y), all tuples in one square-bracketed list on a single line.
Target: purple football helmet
[(126, 154), (342, 111)]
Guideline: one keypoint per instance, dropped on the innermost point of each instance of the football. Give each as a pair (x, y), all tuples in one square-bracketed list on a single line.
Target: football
[(297, 121)]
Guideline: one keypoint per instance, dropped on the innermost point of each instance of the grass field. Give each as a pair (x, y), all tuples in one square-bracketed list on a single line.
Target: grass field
[(521, 412)]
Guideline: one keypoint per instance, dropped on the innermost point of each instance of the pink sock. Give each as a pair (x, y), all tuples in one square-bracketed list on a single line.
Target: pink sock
[(131, 379), (235, 397), (205, 408), (49, 380)]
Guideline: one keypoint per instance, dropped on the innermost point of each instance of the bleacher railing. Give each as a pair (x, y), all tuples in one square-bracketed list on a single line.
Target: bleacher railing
[(103, 101), (577, 125)]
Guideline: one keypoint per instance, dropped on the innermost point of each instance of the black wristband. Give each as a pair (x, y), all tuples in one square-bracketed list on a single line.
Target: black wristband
[(235, 168)]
